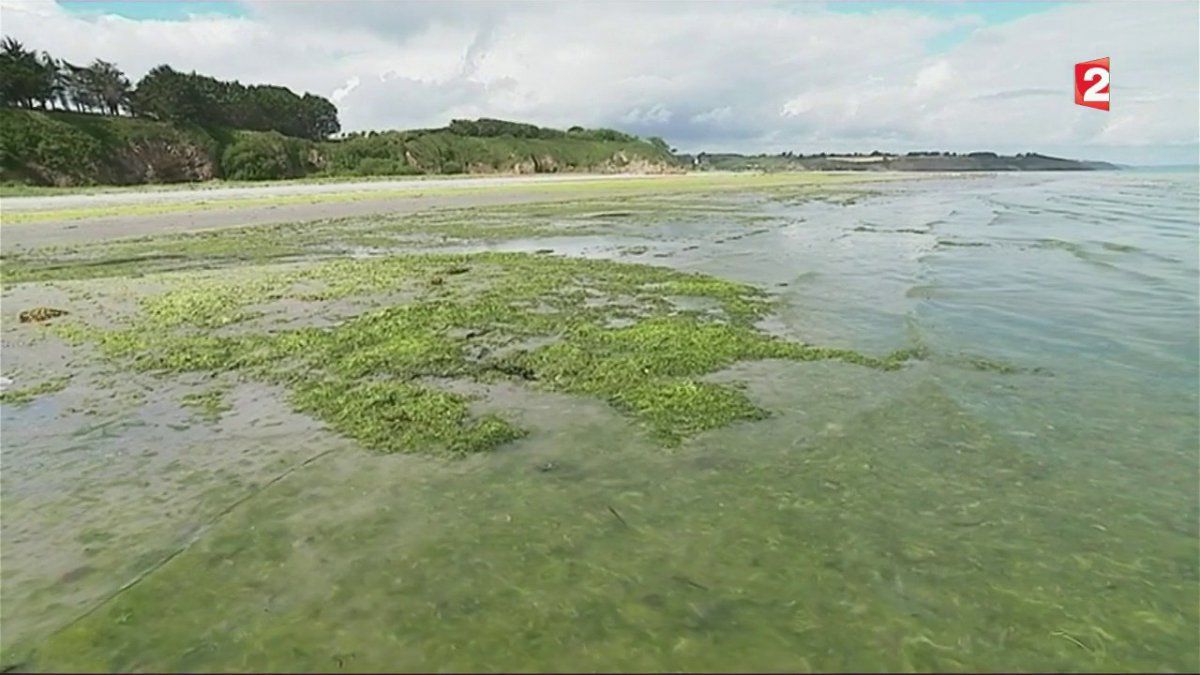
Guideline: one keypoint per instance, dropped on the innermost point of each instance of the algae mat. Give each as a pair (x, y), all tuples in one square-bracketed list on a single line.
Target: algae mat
[(640, 433)]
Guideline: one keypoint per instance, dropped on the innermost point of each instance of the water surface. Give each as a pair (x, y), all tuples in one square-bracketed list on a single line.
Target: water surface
[(1024, 499)]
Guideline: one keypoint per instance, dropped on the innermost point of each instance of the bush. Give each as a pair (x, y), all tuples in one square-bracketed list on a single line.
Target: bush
[(490, 128), (63, 148), (377, 166), (609, 135), (264, 156), (47, 150), (451, 168)]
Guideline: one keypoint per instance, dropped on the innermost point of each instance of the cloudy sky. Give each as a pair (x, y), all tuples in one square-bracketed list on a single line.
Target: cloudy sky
[(745, 76)]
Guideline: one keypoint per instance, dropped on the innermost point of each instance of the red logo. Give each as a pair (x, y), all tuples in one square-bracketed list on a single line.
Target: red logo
[(1091, 83)]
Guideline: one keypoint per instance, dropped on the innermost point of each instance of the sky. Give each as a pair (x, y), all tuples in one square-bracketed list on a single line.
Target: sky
[(706, 76)]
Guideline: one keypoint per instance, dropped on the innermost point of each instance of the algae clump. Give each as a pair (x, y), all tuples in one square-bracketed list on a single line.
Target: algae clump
[(577, 326), (28, 394), (208, 405)]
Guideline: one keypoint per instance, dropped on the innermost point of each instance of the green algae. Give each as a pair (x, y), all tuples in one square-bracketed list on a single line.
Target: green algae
[(262, 244), (208, 405), (542, 321), (833, 556), (860, 523), (26, 395), (400, 417)]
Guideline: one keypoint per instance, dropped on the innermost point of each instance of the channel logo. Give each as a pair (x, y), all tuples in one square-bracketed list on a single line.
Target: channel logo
[(1091, 84)]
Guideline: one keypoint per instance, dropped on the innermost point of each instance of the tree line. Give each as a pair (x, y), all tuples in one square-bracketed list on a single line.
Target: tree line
[(485, 127), (29, 79)]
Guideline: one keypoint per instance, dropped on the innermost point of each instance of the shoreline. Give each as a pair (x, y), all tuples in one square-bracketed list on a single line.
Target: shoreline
[(116, 216)]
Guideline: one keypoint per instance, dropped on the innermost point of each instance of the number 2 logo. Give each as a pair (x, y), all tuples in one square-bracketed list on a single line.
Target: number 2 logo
[(1091, 83)]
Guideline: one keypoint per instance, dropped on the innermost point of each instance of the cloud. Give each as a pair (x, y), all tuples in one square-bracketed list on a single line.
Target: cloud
[(705, 76), (933, 78), (714, 117), (342, 92), (656, 115)]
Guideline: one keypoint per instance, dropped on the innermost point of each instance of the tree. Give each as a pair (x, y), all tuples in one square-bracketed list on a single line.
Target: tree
[(24, 78), (320, 117), (108, 86), (56, 92), (28, 79), (62, 85), (76, 89), (168, 95)]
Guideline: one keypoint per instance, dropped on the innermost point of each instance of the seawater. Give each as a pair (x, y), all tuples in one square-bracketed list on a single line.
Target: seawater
[(1025, 498)]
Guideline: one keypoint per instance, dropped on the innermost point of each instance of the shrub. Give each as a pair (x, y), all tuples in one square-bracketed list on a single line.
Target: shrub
[(485, 128), (377, 166), (47, 150), (263, 156)]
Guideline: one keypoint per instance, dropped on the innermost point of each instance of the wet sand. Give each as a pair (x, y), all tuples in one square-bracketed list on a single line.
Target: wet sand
[(74, 230), (31, 222)]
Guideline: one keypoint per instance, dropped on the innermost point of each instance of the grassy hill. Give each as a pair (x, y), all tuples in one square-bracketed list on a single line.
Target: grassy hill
[(61, 148)]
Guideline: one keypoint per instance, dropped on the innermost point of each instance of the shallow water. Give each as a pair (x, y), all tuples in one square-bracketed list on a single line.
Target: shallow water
[(948, 516)]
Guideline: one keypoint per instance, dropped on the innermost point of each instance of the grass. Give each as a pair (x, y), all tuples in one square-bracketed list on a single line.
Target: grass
[(76, 148)]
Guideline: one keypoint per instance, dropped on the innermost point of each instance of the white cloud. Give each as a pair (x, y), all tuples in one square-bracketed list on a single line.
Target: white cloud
[(715, 116), (342, 92), (715, 76), (800, 105), (933, 77), (657, 114)]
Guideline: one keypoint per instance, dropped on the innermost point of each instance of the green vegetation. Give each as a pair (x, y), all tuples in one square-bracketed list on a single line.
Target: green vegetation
[(450, 151), (164, 94), (912, 520), (207, 130), (210, 404), (264, 156), (28, 394), (577, 326), (61, 148), (190, 98), (492, 128), (27, 78)]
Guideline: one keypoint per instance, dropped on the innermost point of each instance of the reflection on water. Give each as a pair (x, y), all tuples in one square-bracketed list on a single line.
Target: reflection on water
[(947, 516)]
